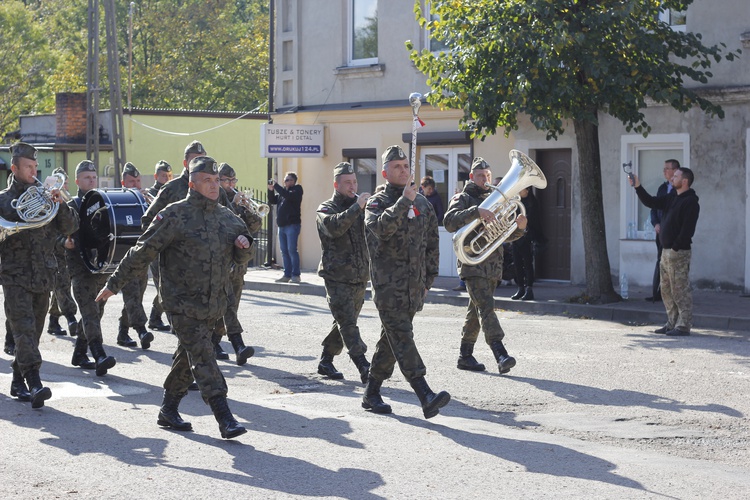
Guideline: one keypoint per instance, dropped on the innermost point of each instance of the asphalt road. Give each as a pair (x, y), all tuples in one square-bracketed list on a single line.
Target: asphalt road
[(593, 410)]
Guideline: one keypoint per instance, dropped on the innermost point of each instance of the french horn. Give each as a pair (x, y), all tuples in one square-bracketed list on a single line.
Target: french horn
[(35, 207)]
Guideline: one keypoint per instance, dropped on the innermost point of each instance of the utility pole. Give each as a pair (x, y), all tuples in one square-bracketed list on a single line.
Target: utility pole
[(92, 85), (115, 98)]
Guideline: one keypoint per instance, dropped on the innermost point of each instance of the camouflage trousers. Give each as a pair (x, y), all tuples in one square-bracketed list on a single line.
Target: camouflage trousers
[(674, 270), (230, 324), (133, 315), (396, 344), (481, 311), (26, 312), (345, 301), (194, 358), (156, 304), (62, 303), (85, 289)]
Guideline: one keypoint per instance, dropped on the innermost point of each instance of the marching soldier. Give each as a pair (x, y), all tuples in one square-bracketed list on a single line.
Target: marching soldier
[(345, 268), (62, 303), (86, 286), (198, 240), (481, 279), (231, 324), (28, 274), (133, 313), (402, 239), (162, 175)]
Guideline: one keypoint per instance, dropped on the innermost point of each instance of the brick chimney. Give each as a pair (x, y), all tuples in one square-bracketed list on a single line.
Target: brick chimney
[(70, 117)]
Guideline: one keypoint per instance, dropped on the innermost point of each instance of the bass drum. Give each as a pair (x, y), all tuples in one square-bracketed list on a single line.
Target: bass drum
[(110, 224)]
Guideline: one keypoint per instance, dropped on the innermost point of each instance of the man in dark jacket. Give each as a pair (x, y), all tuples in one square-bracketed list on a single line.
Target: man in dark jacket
[(664, 189), (289, 219), (345, 268), (481, 279), (680, 216)]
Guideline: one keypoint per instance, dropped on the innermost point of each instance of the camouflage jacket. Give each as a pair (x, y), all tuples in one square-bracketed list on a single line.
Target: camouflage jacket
[(404, 253), (174, 190), (74, 257), (463, 209), (341, 228), (154, 190), (27, 259), (252, 220), (194, 239)]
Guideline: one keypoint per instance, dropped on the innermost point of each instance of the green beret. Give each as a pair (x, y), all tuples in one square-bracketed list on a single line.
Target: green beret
[(59, 170), (393, 153), (162, 166), (194, 148), (85, 166), (479, 164), (226, 171), (204, 164), (129, 169), (23, 150), (343, 168)]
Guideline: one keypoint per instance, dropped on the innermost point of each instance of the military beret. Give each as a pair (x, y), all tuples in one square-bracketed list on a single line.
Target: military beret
[(85, 166), (23, 150), (59, 170), (479, 164), (129, 169), (393, 153), (195, 148), (162, 166), (226, 171), (204, 164), (343, 168)]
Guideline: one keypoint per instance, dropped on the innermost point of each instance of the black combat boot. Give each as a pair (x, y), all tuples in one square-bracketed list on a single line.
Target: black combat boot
[(10, 344), (79, 354), (155, 322), (517, 296), (228, 426), (39, 394), (325, 367), (466, 360), (372, 400), (529, 295), (73, 325), (169, 416), (54, 327), (220, 353), (431, 402), (18, 387), (504, 361), (123, 338), (360, 361), (103, 362), (145, 337), (242, 351)]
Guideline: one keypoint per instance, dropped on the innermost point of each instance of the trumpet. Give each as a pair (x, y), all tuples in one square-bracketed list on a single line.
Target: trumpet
[(36, 206), (244, 199)]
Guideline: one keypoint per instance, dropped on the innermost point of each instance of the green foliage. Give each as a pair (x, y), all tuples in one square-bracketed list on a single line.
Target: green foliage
[(557, 60)]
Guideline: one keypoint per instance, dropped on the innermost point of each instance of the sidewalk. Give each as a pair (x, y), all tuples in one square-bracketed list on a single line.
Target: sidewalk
[(711, 309)]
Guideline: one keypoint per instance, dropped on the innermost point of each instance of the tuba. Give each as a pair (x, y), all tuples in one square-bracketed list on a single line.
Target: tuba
[(244, 199), (476, 241), (35, 206)]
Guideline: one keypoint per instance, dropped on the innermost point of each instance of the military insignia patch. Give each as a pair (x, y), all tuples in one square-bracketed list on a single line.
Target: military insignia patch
[(159, 216), (324, 210)]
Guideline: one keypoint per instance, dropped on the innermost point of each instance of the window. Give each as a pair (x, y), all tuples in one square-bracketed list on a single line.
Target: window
[(363, 32), (647, 157), (677, 19), (431, 43), (365, 166)]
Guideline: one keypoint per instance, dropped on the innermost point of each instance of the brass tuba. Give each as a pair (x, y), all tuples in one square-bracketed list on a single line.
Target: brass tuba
[(35, 206), (476, 241), (244, 199)]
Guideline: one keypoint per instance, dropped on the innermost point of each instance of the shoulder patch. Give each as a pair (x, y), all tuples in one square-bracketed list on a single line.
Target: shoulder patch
[(456, 196), (324, 209), (373, 203), (159, 216)]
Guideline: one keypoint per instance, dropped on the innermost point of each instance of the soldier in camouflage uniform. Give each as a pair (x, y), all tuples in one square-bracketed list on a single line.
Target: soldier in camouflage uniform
[(27, 273), (345, 268), (198, 240), (481, 279), (231, 323), (162, 175), (402, 239), (133, 313), (86, 285), (62, 303), (680, 216)]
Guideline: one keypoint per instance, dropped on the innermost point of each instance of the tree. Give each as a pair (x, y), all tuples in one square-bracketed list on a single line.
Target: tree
[(559, 61), (27, 61)]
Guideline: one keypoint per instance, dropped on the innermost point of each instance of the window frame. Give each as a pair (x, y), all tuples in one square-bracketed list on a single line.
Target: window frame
[(351, 61)]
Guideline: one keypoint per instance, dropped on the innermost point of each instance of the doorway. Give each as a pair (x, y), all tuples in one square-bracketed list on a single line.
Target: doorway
[(553, 260)]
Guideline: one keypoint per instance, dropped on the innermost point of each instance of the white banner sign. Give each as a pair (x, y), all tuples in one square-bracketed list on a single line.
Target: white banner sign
[(291, 141)]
